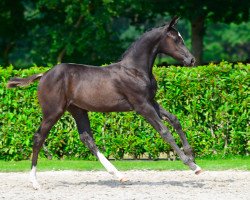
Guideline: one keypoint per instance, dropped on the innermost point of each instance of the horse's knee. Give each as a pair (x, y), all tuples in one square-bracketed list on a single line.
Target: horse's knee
[(172, 118), (175, 122)]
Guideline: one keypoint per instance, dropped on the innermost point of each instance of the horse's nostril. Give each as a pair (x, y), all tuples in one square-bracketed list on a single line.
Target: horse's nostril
[(192, 61)]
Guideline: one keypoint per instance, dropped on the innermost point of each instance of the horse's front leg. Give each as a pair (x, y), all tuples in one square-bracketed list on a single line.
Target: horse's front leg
[(173, 121), (148, 111)]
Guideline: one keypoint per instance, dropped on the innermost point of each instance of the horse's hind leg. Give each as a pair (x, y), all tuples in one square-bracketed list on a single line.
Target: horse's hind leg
[(83, 126), (49, 119)]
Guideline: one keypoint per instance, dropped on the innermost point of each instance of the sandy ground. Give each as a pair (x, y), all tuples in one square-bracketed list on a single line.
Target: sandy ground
[(142, 185)]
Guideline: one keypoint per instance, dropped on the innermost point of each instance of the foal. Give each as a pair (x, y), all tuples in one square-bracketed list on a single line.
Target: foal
[(127, 85)]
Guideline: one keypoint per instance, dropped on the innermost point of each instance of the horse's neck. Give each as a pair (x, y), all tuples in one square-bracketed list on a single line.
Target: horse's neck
[(143, 53)]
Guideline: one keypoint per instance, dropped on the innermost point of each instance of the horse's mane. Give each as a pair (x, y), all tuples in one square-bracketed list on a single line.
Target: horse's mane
[(145, 34)]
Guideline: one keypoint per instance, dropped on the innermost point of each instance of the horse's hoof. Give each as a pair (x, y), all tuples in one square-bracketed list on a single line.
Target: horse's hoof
[(123, 180), (198, 172), (36, 186)]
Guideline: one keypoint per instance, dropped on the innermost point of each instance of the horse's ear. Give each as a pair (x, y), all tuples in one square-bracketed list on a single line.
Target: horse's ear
[(172, 23)]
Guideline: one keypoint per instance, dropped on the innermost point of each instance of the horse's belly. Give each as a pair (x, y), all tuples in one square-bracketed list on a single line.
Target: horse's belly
[(102, 103), (98, 93)]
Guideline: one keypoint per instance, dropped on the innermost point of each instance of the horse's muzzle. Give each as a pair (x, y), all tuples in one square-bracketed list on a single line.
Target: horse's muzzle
[(189, 61)]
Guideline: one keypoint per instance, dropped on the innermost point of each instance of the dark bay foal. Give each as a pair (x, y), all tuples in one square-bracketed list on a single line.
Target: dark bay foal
[(127, 85)]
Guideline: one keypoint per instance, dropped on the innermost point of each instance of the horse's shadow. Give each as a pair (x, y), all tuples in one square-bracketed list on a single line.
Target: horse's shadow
[(116, 184)]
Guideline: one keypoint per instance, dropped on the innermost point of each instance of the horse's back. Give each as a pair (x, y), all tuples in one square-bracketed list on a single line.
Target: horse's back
[(64, 71)]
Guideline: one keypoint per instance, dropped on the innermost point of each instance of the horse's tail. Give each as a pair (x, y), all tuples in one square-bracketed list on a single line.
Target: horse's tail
[(17, 82)]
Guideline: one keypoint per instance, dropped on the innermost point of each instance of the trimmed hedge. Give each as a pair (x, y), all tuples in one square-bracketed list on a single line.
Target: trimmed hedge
[(212, 103)]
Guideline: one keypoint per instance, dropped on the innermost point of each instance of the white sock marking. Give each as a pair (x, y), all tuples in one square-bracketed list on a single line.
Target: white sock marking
[(109, 167), (197, 169), (33, 179)]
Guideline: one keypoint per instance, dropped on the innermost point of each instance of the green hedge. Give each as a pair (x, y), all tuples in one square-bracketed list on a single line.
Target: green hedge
[(212, 103)]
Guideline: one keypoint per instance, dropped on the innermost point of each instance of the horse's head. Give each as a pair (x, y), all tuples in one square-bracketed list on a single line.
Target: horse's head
[(173, 45)]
